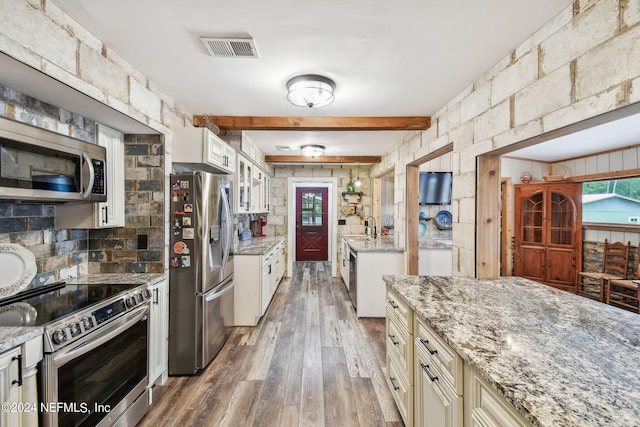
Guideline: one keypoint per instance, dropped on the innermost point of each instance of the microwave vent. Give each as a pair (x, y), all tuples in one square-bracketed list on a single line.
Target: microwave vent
[(224, 47)]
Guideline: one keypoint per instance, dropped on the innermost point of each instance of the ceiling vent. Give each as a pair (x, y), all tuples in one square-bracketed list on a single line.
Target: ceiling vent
[(223, 47)]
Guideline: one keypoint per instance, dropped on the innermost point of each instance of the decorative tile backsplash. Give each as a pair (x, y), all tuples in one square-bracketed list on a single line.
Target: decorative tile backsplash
[(62, 253)]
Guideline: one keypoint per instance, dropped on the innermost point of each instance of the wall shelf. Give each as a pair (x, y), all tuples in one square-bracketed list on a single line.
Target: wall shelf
[(348, 196)]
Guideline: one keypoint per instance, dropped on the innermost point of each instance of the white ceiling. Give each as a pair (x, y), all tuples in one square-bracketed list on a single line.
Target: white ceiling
[(388, 58)]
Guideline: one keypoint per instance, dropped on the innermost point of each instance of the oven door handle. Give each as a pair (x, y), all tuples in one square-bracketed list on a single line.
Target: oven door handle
[(117, 327)]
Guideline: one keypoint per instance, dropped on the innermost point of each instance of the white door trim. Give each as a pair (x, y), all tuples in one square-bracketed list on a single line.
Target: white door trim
[(330, 183)]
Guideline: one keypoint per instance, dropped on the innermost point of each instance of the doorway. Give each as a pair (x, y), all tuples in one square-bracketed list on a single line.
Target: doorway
[(312, 228), (331, 184)]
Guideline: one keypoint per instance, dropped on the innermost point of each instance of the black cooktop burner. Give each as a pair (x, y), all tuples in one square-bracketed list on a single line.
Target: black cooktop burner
[(37, 307)]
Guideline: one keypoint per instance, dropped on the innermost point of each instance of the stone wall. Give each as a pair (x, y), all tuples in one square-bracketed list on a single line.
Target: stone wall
[(115, 250), (579, 65), (62, 253), (59, 253), (277, 222)]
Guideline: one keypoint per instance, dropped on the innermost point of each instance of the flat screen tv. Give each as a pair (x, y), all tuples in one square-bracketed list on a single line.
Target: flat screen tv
[(435, 188)]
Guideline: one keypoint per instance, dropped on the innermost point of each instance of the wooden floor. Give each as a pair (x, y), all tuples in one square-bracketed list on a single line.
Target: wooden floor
[(310, 362)]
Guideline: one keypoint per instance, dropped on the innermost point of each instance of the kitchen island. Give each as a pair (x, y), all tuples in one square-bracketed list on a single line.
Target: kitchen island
[(369, 260), (556, 358)]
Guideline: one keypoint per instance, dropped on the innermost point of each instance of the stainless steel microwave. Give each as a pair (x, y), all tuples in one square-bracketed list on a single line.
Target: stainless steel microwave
[(40, 165)]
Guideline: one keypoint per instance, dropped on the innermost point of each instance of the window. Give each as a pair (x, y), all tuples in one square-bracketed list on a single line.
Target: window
[(312, 208), (615, 201)]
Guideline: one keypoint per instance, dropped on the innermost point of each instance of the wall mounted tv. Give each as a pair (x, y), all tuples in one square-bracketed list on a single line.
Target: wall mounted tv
[(435, 188)]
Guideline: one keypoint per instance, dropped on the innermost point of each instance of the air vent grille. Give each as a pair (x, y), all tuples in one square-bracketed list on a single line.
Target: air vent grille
[(230, 47)]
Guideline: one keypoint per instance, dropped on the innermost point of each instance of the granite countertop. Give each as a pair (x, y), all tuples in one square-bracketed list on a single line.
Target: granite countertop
[(559, 359), (380, 244), (256, 246), (117, 278), (434, 244), (13, 336)]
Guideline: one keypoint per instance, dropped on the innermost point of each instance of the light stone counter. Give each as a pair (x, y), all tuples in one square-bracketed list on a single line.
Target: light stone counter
[(559, 359), (13, 336), (117, 279), (381, 244), (256, 246)]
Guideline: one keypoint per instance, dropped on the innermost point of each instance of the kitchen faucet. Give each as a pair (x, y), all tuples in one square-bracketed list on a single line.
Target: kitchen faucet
[(368, 230)]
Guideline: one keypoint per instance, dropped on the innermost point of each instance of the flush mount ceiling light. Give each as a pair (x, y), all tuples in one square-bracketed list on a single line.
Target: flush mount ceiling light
[(312, 150), (310, 91)]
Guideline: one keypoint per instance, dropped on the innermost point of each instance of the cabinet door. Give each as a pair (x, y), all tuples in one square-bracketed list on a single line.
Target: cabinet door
[(111, 212), (436, 405), (265, 288), (229, 158), (242, 195), (9, 392), (213, 149), (266, 198), (548, 235), (159, 331), (256, 190)]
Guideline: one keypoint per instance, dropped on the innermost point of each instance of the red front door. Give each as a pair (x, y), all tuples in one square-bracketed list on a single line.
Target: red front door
[(312, 239)]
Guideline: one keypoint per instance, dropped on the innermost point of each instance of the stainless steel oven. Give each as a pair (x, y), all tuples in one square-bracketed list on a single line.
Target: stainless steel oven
[(93, 382)]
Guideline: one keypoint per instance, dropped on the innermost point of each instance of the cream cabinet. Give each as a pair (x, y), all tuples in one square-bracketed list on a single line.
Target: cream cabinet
[(435, 262), (103, 214), (10, 393), (159, 333), (18, 385), (438, 382), (429, 381), (344, 262), (483, 407), (399, 345), (201, 148), (256, 279), (252, 187)]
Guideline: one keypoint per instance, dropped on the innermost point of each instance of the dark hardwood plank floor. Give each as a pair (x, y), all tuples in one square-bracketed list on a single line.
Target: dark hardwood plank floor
[(309, 362)]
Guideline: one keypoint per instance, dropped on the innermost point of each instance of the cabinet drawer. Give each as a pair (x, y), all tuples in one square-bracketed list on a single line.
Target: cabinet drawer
[(399, 310), (401, 390), (486, 407), (400, 345), (446, 360)]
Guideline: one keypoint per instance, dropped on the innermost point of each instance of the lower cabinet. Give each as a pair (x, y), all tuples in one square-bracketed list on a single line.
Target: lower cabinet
[(159, 335), (18, 385), (429, 381), (483, 407), (438, 381), (399, 324), (256, 278)]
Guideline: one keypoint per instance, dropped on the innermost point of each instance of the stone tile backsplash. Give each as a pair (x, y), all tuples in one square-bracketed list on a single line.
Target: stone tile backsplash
[(62, 253)]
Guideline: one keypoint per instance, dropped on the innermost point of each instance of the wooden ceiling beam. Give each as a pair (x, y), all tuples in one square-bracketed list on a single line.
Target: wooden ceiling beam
[(323, 159), (313, 123)]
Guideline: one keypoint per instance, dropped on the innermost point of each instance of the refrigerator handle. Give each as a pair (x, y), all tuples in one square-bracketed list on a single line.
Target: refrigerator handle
[(226, 229)]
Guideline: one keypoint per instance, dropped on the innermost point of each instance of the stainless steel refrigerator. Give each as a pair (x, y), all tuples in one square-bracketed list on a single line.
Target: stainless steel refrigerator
[(201, 269)]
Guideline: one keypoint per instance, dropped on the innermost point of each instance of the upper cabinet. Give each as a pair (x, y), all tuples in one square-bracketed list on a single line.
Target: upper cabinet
[(201, 148), (104, 214), (252, 187)]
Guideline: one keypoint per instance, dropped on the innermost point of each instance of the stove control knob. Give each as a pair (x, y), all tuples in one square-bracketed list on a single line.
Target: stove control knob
[(147, 293), (59, 336), (131, 301), (87, 323), (74, 328)]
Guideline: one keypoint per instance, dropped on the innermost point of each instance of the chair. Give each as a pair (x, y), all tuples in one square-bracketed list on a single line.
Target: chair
[(625, 292), (615, 263)]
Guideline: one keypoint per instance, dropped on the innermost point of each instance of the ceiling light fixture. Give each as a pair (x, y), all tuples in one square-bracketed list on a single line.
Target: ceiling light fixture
[(310, 90), (312, 150)]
